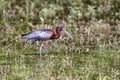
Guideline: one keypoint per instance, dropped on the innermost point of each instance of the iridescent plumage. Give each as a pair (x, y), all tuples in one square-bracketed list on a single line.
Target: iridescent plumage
[(40, 34), (44, 34)]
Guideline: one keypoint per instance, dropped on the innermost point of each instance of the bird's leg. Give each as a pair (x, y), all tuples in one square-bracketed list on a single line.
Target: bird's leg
[(44, 42), (41, 49), (34, 42), (45, 50)]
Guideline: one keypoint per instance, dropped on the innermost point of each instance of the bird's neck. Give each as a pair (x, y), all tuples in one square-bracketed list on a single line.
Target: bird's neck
[(57, 35)]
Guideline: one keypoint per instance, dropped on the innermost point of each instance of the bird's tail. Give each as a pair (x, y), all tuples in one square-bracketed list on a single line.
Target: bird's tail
[(25, 36)]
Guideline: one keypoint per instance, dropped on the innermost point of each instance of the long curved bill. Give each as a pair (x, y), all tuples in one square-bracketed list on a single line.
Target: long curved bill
[(66, 32)]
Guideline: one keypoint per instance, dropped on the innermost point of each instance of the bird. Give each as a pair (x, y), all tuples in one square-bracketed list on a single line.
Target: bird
[(44, 34)]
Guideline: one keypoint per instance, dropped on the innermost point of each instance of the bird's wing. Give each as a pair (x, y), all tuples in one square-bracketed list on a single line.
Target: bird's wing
[(43, 34), (40, 34)]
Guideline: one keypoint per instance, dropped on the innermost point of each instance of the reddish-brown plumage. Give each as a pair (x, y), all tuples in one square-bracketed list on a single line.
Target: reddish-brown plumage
[(44, 34), (57, 34)]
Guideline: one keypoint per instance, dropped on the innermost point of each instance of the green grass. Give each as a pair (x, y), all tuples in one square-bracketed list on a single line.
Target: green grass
[(58, 65), (92, 54)]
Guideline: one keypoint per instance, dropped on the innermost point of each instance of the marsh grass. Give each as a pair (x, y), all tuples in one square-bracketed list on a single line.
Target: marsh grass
[(93, 54)]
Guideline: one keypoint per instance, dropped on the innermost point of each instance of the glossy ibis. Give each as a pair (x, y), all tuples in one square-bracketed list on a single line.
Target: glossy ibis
[(44, 35)]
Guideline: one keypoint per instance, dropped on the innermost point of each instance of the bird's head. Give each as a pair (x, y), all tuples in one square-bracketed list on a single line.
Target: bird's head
[(66, 32)]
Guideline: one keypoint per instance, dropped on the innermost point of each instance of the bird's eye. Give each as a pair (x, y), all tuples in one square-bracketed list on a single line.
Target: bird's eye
[(61, 28)]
